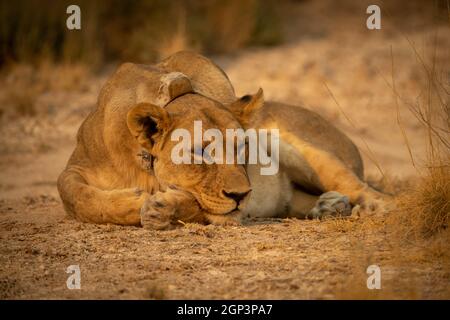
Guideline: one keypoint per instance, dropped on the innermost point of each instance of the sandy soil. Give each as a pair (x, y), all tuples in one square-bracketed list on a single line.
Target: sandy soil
[(277, 259)]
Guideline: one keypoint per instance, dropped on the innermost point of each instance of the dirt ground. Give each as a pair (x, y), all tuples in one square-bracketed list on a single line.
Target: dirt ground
[(274, 259)]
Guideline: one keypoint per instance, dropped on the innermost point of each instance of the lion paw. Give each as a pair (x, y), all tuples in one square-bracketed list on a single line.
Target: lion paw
[(158, 214), (330, 204)]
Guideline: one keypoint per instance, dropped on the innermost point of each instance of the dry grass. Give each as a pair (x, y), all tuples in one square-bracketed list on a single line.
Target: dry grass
[(417, 230), (141, 31), (425, 210)]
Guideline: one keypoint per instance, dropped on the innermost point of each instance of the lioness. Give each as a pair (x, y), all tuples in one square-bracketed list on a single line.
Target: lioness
[(121, 169)]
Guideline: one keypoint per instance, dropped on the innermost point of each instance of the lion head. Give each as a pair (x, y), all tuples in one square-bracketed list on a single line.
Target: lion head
[(219, 188)]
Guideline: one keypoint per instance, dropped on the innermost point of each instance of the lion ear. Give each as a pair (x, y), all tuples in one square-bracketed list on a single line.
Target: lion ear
[(205, 76), (173, 85), (247, 104), (145, 121)]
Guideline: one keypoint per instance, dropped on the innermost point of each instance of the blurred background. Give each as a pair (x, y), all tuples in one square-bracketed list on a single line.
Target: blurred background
[(138, 30), (387, 89), (373, 84), (144, 31)]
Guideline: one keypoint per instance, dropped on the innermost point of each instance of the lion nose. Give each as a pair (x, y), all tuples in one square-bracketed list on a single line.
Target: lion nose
[(236, 196)]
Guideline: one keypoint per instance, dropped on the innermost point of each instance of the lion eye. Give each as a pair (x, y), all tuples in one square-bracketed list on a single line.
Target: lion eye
[(208, 158), (197, 154), (242, 148)]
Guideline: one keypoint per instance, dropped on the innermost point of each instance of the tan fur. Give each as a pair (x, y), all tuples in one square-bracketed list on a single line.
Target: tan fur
[(106, 179), (315, 157), (121, 170)]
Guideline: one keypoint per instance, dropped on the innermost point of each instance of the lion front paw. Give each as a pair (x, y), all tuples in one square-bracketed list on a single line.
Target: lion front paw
[(331, 204), (158, 214)]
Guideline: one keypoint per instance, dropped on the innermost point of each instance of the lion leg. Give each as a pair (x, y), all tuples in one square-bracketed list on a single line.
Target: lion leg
[(91, 204), (304, 205), (336, 176), (169, 209), (301, 203), (325, 171)]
